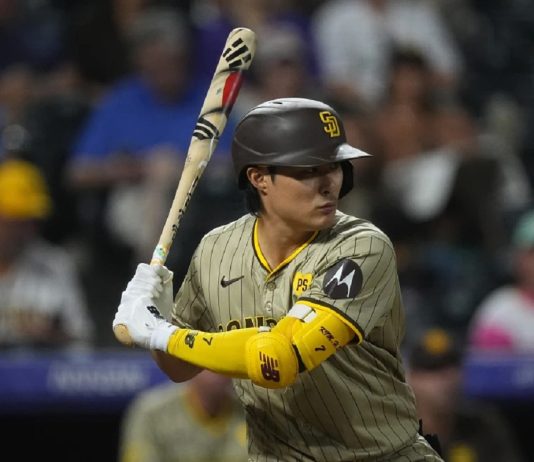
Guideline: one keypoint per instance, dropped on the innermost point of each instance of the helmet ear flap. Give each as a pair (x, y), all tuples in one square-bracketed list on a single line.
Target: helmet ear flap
[(348, 178)]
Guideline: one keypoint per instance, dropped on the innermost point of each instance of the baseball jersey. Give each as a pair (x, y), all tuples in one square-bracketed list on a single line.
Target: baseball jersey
[(168, 424), (42, 302), (356, 405)]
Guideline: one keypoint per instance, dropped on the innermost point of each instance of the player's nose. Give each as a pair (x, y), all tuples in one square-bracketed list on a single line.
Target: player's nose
[(330, 181)]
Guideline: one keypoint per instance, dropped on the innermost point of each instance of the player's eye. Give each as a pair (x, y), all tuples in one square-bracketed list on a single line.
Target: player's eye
[(323, 169), (334, 166)]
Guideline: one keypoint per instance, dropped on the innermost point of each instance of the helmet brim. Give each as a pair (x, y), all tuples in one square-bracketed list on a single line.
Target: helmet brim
[(344, 152), (347, 152)]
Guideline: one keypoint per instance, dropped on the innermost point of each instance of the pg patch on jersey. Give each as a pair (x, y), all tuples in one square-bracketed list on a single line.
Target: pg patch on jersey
[(343, 280), (301, 283)]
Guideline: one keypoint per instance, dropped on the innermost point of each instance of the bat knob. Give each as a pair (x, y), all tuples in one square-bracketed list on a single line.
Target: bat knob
[(122, 335)]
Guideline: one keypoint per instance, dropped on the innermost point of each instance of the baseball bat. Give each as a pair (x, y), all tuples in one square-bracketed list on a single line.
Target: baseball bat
[(236, 58)]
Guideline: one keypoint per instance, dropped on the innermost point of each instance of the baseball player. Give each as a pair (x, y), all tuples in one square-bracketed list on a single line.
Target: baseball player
[(200, 421), (298, 302)]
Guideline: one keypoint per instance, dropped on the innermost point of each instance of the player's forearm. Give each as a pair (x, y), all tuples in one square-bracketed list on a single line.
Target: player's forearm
[(222, 352), (266, 358), (176, 369), (270, 358)]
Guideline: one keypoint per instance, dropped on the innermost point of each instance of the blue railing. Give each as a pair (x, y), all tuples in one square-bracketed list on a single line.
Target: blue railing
[(98, 381), (104, 381)]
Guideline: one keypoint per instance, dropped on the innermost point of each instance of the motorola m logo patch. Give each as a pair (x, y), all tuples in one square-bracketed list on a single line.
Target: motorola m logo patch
[(343, 280)]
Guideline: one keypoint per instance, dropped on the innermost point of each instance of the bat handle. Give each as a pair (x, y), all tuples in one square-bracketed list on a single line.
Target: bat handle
[(122, 335), (120, 330), (159, 257)]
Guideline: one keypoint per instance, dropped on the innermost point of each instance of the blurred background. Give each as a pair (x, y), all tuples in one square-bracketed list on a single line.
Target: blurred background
[(98, 101)]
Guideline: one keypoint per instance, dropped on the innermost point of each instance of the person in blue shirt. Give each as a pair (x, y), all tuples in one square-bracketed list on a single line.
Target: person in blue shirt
[(134, 142), (127, 159)]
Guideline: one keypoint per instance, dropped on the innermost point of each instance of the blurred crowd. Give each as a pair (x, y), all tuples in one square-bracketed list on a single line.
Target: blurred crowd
[(97, 105)]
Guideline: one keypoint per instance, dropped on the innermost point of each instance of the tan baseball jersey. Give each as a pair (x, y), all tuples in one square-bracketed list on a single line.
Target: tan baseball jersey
[(167, 424), (354, 406)]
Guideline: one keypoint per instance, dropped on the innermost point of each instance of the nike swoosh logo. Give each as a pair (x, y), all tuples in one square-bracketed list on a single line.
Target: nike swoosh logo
[(227, 282)]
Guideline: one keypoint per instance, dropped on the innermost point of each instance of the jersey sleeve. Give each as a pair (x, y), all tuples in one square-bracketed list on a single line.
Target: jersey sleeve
[(190, 309), (358, 281)]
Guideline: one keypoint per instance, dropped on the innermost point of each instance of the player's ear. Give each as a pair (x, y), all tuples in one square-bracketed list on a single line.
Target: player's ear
[(258, 177)]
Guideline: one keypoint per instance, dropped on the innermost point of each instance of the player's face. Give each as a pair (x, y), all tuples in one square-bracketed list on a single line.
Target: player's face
[(438, 389), (304, 198), (15, 235)]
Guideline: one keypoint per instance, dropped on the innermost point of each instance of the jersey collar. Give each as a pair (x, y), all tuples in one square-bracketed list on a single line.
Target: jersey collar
[(263, 260)]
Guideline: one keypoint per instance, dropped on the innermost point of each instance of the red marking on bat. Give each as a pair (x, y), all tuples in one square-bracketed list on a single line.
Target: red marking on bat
[(231, 90)]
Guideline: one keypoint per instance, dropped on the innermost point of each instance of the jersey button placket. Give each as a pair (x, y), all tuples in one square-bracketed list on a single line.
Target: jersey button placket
[(270, 286)]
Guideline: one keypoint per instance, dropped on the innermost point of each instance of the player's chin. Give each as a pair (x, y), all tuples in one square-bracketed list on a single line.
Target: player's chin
[(325, 219)]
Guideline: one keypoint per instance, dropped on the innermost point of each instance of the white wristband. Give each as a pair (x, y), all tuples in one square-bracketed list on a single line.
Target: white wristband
[(160, 336)]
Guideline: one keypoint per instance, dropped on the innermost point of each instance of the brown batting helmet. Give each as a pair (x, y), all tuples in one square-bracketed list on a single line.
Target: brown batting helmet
[(293, 132)]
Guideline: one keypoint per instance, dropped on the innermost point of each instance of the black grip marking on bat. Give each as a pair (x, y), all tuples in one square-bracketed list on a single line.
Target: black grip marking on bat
[(205, 130), (237, 54), (239, 57), (235, 44)]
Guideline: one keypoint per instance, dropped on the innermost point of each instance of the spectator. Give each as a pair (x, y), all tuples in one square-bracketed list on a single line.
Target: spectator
[(447, 206), (355, 39), (17, 85), (280, 69), (95, 34), (360, 129), (198, 421), (41, 302), (52, 122), (410, 81), (505, 318), (467, 431), (213, 20), (30, 34), (133, 145)]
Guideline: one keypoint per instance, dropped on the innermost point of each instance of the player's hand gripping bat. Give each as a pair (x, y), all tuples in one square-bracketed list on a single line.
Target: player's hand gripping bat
[(236, 57)]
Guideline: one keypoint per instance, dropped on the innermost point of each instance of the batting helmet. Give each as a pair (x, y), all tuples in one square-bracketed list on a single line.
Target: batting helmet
[(293, 132)]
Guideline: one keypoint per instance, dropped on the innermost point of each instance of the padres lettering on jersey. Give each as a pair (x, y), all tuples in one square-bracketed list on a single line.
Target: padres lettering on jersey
[(342, 406)]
